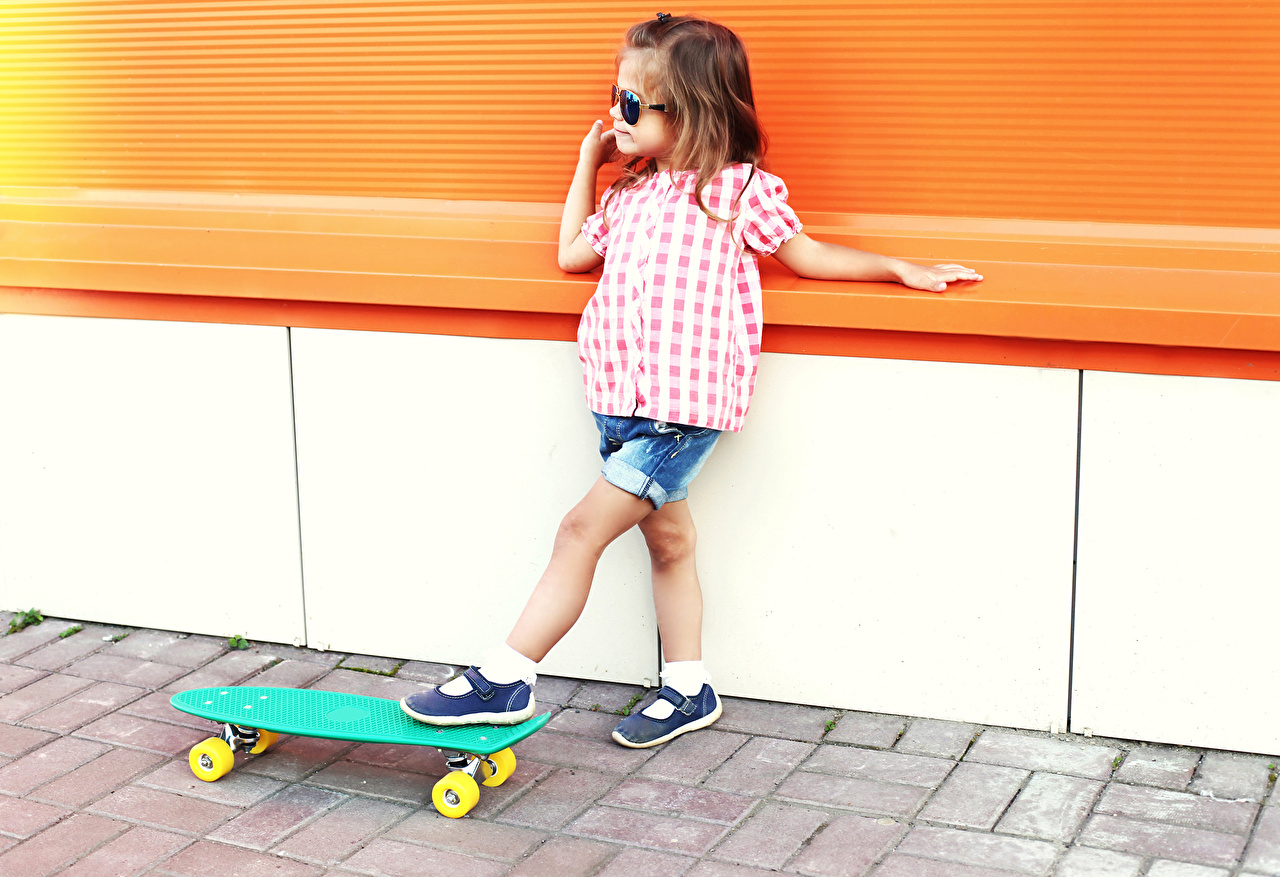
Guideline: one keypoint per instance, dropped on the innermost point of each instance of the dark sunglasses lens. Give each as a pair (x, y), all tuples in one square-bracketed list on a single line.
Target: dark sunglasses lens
[(630, 108)]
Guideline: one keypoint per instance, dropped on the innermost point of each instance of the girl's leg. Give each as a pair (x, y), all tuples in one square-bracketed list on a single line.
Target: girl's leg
[(677, 595), (500, 690), (604, 514)]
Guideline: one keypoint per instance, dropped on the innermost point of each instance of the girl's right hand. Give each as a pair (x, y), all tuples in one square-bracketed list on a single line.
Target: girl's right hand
[(599, 147)]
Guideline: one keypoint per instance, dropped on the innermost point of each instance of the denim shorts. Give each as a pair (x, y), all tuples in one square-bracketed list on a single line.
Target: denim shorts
[(652, 459)]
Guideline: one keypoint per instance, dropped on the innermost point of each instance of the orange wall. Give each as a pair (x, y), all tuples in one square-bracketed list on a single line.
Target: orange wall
[(1161, 112)]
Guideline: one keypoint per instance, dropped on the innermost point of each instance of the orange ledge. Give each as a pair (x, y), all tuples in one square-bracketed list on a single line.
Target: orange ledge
[(1157, 299)]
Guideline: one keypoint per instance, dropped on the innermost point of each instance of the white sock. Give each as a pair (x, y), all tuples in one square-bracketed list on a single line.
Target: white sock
[(686, 677), (501, 665)]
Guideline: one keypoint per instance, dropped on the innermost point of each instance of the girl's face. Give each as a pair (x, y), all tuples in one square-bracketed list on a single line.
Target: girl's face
[(651, 135)]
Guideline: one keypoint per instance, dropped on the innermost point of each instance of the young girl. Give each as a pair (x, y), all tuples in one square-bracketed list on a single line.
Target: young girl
[(669, 344)]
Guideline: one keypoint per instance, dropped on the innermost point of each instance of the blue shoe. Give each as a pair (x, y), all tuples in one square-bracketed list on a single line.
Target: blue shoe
[(639, 731), (485, 704)]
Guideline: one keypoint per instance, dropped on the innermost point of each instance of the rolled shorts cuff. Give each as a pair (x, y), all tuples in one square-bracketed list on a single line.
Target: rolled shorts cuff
[(627, 477)]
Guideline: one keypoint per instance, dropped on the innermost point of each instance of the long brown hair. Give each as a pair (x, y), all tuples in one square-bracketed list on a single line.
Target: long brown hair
[(699, 68)]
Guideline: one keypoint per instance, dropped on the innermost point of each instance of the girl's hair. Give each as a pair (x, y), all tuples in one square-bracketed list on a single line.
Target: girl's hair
[(699, 69)]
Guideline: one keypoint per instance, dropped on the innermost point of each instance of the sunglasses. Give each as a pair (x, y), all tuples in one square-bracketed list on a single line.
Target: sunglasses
[(631, 106)]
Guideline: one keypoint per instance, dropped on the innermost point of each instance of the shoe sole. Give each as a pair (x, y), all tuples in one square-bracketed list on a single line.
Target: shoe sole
[(475, 718), (683, 729)]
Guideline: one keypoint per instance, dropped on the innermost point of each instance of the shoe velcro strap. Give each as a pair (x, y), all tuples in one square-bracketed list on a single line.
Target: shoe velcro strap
[(677, 700), (479, 683)]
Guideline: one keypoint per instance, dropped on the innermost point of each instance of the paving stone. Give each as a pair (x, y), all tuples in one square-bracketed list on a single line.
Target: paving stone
[(295, 758), (267, 823), (340, 832), (12, 678), (1088, 862), (683, 801), (1264, 848), (59, 845), (155, 705), (1177, 842), (867, 729), (495, 800), (758, 767), (15, 742), (565, 857), (605, 697), (367, 779), (370, 664), (974, 795), (1182, 869), (866, 796), (208, 859), (471, 837), (229, 669), (128, 671), (691, 758), (41, 694), (601, 756), (125, 730), (438, 674), (1163, 766), (99, 777), (1010, 749), (848, 847), (889, 767), (15, 645), (646, 863), (1014, 854), (130, 853), (683, 836), (84, 707), (163, 810), (1233, 776), (21, 819), (784, 720), (1050, 807), (394, 859), (772, 836), (898, 865), (724, 869), (413, 759), (289, 674), (369, 684), (556, 690), (62, 651), (1178, 808), (170, 648), (587, 723), (555, 801), (60, 756)]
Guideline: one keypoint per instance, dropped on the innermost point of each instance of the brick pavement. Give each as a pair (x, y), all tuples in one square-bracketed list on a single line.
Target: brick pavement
[(94, 781)]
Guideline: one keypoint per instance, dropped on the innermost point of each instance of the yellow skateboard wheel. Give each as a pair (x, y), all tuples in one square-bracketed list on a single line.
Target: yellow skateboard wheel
[(455, 794), (266, 739), (497, 768), (211, 759)]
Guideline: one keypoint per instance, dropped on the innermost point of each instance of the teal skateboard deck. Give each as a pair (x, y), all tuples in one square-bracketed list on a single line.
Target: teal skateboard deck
[(253, 718)]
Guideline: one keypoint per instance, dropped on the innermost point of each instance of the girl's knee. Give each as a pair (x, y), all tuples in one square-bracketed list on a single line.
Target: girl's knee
[(669, 542)]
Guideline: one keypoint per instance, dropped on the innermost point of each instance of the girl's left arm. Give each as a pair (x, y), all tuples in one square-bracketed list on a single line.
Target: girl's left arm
[(821, 260)]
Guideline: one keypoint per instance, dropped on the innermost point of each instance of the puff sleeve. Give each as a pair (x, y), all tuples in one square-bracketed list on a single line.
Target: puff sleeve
[(765, 221)]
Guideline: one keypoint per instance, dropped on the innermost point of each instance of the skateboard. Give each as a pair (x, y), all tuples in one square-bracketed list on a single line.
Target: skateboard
[(254, 718)]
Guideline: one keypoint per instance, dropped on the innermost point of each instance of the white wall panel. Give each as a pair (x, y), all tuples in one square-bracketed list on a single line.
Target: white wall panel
[(147, 475), (1179, 561), (895, 536), (434, 472)]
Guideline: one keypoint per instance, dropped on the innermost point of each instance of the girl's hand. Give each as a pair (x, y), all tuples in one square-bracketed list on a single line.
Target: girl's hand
[(936, 278), (599, 146)]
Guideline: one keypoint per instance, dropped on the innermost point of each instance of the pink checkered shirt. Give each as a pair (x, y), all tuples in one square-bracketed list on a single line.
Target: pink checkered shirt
[(673, 330)]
